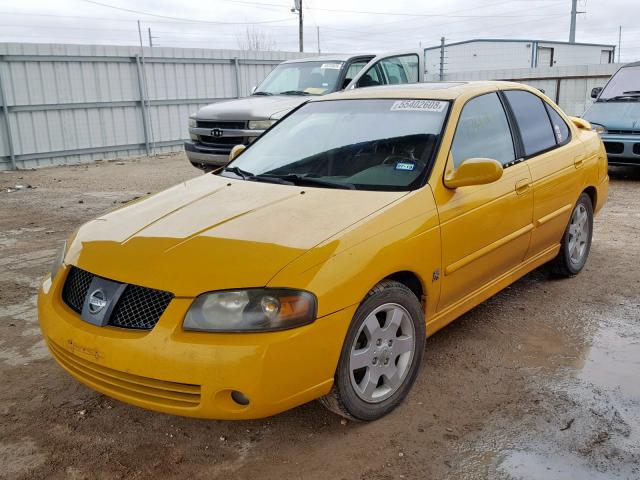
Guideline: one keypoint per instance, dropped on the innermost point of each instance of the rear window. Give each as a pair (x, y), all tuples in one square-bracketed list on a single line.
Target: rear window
[(533, 121), (560, 128)]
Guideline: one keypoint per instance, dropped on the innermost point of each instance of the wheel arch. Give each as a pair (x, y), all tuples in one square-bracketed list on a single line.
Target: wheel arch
[(410, 280), (593, 195)]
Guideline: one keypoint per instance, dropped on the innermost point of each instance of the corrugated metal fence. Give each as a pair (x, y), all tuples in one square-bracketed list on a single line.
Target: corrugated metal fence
[(569, 86), (77, 103)]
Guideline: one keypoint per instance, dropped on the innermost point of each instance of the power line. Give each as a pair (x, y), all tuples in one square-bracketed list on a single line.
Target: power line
[(190, 20), (130, 20), (401, 14)]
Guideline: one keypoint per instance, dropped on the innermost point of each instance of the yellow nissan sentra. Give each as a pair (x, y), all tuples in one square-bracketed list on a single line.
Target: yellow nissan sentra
[(316, 263)]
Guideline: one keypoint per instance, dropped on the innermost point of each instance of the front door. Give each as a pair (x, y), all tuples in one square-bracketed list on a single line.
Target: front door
[(391, 69), (485, 229)]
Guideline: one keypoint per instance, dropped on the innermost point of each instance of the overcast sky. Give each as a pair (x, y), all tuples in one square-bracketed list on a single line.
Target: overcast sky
[(345, 26)]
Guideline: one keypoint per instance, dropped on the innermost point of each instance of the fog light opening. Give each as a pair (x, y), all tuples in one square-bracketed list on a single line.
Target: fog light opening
[(240, 398)]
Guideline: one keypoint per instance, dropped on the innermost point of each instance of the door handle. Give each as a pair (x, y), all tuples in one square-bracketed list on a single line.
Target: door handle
[(578, 161), (522, 186)]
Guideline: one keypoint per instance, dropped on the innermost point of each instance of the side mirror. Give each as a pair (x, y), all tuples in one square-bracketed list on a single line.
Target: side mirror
[(253, 89), (474, 171), (595, 92), (235, 151)]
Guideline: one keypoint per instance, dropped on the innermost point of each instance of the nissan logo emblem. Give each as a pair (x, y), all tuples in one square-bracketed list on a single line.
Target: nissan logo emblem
[(216, 132), (97, 301)]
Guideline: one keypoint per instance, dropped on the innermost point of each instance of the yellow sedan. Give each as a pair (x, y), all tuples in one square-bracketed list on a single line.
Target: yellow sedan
[(316, 263)]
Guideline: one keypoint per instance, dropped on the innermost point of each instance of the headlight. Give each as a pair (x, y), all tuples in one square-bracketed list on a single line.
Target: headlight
[(251, 310), (260, 124), (58, 260), (598, 128), (192, 122)]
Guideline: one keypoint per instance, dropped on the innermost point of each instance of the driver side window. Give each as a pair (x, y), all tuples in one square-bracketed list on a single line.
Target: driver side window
[(483, 132)]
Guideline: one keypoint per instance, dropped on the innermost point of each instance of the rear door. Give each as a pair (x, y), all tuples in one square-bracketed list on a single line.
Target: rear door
[(554, 161), (391, 69)]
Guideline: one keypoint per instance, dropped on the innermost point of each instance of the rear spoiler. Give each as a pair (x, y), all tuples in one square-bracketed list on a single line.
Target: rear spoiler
[(581, 123)]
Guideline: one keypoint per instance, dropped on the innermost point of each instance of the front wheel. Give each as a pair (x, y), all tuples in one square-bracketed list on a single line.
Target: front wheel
[(576, 241), (381, 354)]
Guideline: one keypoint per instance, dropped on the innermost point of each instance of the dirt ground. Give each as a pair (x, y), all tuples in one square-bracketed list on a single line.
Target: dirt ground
[(540, 382)]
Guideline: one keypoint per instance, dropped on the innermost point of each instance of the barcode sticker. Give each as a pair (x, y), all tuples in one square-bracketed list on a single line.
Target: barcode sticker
[(332, 66), (419, 105)]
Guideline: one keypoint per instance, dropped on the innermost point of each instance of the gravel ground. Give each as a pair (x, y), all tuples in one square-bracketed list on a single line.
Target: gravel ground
[(540, 382)]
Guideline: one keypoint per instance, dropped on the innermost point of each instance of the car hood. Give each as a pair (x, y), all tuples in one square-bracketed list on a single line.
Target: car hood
[(615, 115), (214, 233), (257, 107)]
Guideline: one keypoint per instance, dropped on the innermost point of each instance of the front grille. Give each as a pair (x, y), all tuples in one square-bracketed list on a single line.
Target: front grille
[(76, 288), (137, 308), (624, 132), (140, 308), (216, 124), (221, 140), (614, 147), (122, 384)]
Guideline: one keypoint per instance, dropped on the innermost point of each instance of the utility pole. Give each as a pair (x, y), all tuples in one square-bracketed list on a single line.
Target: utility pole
[(619, 42), (150, 38), (441, 58), (572, 30), (318, 32), (297, 7), (300, 26)]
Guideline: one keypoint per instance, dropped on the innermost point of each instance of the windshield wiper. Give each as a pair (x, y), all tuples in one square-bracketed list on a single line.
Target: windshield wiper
[(296, 179), (294, 92), (624, 96), (243, 174), (256, 178), (262, 93), (632, 92)]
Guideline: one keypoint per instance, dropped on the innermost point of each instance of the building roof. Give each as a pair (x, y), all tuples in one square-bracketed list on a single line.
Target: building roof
[(518, 40)]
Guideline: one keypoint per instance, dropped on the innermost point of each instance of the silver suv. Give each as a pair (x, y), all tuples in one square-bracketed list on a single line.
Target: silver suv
[(217, 128)]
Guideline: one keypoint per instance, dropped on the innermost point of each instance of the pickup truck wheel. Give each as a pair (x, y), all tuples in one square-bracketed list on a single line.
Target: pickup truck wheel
[(381, 354), (576, 241)]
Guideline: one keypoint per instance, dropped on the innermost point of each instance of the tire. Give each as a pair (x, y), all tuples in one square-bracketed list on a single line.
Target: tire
[(576, 241), (381, 354)]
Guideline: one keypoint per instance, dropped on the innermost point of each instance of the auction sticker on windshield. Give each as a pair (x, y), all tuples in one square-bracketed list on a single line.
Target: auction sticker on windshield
[(332, 66), (419, 105)]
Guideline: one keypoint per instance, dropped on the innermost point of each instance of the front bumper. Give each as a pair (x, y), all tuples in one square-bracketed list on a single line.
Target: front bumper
[(193, 373), (622, 149), (201, 156)]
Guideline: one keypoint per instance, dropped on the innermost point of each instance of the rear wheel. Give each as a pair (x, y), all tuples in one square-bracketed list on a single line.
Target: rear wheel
[(576, 242), (381, 354)]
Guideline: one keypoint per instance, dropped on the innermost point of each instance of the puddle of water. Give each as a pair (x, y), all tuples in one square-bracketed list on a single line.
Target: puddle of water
[(536, 466), (613, 363)]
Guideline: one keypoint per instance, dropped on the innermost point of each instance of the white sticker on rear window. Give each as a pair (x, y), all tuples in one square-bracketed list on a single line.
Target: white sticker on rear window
[(419, 105), (332, 66)]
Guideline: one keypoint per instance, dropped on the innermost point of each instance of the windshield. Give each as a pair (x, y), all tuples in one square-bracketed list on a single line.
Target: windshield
[(361, 144), (301, 78), (624, 83)]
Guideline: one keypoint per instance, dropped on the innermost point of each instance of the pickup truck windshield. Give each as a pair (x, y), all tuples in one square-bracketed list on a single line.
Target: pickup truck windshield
[(358, 144), (301, 78), (624, 85)]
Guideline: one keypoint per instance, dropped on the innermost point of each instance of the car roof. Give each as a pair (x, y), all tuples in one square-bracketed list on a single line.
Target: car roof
[(339, 57), (431, 90)]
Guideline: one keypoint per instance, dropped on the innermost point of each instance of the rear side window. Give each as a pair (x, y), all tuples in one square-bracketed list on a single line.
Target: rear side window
[(560, 128), (483, 132), (533, 121)]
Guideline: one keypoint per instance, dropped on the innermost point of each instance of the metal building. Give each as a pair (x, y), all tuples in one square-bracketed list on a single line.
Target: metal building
[(493, 54)]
